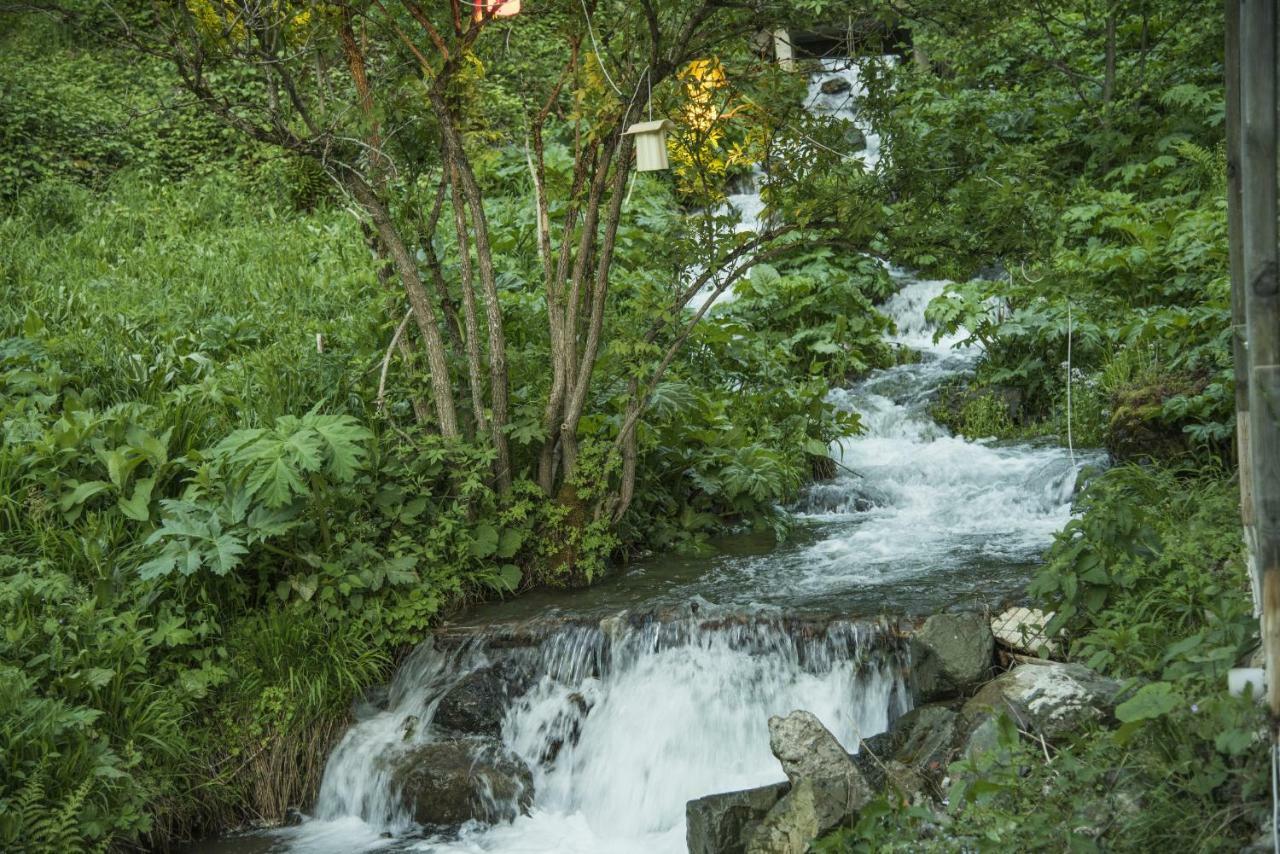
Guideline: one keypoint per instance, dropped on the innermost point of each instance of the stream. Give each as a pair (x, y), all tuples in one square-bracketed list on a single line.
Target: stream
[(655, 687)]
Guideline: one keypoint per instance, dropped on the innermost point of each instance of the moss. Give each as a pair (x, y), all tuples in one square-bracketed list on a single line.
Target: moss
[(1140, 428)]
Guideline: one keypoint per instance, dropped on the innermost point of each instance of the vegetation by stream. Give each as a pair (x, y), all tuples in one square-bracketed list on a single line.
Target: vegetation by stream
[(229, 499)]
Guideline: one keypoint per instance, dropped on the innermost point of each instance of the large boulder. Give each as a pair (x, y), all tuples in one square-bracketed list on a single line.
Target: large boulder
[(446, 783), (808, 751), (835, 86), (951, 653), (722, 824), (792, 824), (1051, 698)]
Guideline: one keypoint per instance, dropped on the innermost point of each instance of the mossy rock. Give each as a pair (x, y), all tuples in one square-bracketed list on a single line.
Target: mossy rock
[(1139, 429)]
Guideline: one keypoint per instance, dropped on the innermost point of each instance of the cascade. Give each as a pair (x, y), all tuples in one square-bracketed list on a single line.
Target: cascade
[(623, 717)]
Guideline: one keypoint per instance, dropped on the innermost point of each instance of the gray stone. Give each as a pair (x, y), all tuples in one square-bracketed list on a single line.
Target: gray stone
[(477, 703), (854, 139), (951, 653), (927, 738), (835, 85), (907, 783), (445, 783), (983, 737), (1053, 699), (791, 825), (808, 751), (722, 824)]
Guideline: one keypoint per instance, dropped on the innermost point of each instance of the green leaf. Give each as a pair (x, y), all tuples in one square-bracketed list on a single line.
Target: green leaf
[(1154, 700), (509, 543), (485, 541), (81, 493), (138, 506), (509, 577), (816, 447)]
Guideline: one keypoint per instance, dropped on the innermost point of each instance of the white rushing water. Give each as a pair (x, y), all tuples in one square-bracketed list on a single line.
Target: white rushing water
[(621, 724)]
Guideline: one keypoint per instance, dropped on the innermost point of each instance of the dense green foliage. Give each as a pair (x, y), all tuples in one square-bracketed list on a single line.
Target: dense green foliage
[(1103, 208), (1100, 198), (211, 533)]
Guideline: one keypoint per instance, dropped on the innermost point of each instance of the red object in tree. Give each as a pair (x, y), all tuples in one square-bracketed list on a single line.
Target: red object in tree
[(496, 8)]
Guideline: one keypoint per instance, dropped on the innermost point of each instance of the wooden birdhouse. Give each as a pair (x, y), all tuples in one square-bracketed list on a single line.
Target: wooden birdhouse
[(651, 144), (496, 8)]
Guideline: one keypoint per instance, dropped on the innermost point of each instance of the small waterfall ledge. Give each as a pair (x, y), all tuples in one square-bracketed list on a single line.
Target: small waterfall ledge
[(619, 722)]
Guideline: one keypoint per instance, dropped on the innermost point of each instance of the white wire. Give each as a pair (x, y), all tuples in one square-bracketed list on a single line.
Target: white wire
[(1275, 797), (1071, 449), (591, 32)]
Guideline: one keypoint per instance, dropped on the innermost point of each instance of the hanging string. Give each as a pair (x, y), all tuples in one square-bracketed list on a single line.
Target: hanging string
[(1070, 444), (596, 45), (648, 76)]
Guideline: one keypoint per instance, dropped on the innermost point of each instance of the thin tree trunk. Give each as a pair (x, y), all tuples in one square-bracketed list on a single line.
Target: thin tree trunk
[(595, 328), (499, 383), (472, 331), (423, 312), (1109, 75)]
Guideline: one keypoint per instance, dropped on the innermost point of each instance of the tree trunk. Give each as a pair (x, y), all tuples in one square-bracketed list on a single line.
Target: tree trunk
[(423, 312)]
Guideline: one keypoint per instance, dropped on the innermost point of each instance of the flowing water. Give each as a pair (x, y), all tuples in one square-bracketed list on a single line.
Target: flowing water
[(656, 687)]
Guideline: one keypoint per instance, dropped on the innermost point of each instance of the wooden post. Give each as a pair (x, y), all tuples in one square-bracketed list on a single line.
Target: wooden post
[(1257, 63), (1239, 328)]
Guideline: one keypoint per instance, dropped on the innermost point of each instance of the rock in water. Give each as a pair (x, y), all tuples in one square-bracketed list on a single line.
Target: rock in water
[(476, 704), (808, 751), (446, 783), (835, 85), (722, 824), (791, 825), (1054, 699), (952, 653)]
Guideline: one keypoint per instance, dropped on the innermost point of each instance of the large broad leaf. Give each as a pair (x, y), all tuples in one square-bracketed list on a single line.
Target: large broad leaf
[(138, 505), (486, 540), (509, 543), (226, 553), (1154, 700), (81, 493), (344, 439)]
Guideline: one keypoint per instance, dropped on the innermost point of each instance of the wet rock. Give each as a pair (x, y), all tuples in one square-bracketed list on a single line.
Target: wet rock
[(983, 737), (791, 825), (723, 823), (854, 139), (446, 783), (1051, 698), (1139, 429), (927, 739), (808, 751), (835, 85), (293, 817), (951, 654), (477, 703), (565, 728)]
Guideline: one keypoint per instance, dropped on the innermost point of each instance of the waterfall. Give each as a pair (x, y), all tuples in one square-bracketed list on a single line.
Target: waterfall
[(621, 721)]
